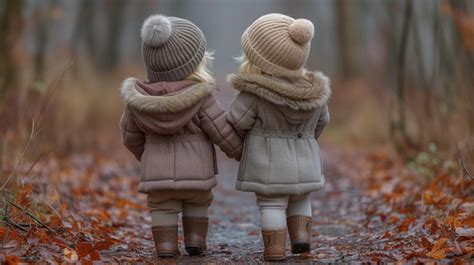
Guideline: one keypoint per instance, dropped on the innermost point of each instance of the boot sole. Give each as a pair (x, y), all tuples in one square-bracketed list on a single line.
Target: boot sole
[(299, 248), (194, 251), (167, 255), (274, 258)]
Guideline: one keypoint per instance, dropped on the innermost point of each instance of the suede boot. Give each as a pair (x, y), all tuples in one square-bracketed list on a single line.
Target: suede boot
[(299, 228), (166, 240), (195, 233), (274, 242)]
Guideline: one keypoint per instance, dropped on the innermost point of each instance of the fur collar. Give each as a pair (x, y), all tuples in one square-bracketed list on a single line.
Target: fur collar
[(299, 93), (173, 103)]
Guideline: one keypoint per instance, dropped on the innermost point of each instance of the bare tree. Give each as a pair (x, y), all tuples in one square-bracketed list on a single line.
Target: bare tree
[(398, 122), (11, 26), (42, 20), (346, 14), (111, 44), (83, 31)]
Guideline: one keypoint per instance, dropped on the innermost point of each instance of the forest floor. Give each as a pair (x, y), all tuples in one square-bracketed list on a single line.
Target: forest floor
[(85, 208)]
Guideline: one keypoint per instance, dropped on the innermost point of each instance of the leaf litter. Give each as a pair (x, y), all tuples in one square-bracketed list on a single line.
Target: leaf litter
[(374, 208)]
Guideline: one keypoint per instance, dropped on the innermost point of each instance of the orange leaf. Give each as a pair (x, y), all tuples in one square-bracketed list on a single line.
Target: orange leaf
[(95, 255), (43, 236), (103, 245), (437, 254), (468, 222), (84, 249), (12, 260), (55, 221), (439, 243), (403, 227), (426, 243), (453, 221)]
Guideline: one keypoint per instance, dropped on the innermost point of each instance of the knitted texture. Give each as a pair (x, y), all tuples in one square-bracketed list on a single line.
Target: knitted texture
[(278, 44), (172, 48)]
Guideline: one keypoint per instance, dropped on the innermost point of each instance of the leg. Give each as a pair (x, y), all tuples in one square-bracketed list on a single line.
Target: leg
[(299, 223), (272, 209), (164, 218), (196, 221)]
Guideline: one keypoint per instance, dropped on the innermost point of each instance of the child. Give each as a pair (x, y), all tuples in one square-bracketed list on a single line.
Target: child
[(281, 110), (169, 124)]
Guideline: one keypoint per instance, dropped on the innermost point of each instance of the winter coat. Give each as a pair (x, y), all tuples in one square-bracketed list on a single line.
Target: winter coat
[(171, 127), (281, 119)]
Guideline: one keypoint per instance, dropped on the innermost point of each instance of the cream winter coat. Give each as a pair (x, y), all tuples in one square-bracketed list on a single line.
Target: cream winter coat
[(281, 119)]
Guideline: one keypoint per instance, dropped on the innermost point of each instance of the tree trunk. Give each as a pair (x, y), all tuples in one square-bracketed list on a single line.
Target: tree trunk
[(11, 26), (111, 45), (348, 31), (398, 122), (43, 21)]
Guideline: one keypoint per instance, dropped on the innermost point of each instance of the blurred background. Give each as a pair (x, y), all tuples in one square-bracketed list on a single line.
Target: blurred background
[(402, 71)]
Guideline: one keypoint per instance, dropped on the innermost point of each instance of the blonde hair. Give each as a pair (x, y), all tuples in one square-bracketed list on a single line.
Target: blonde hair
[(202, 72), (246, 67)]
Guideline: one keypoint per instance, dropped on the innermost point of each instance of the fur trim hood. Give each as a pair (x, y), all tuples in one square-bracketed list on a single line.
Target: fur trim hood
[(187, 96), (299, 93)]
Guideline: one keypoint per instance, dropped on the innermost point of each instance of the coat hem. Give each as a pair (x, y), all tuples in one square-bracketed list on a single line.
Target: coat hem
[(272, 189), (170, 184)]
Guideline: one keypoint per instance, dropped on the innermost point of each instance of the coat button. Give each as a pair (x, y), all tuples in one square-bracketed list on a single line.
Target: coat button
[(299, 135)]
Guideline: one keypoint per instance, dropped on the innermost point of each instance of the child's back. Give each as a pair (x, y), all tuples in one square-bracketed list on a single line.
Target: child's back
[(282, 110), (170, 127), (170, 124), (281, 155)]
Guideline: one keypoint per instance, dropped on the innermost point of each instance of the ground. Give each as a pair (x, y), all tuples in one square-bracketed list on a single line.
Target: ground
[(365, 213)]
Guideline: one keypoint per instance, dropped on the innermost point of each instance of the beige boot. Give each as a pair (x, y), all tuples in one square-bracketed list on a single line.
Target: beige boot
[(299, 228), (195, 233), (166, 240), (274, 242)]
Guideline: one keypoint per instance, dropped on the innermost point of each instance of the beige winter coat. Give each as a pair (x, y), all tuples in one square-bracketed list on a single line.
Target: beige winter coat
[(281, 120), (171, 127)]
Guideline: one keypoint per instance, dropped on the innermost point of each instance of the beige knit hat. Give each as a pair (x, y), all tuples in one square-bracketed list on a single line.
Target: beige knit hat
[(172, 48), (278, 44)]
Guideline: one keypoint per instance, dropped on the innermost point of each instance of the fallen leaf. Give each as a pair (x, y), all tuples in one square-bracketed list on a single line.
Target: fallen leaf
[(437, 254), (426, 243), (12, 260), (468, 222), (439, 243), (69, 255)]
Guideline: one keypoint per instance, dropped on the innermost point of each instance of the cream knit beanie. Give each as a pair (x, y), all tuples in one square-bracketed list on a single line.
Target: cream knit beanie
[(172, 48), (278, 44)]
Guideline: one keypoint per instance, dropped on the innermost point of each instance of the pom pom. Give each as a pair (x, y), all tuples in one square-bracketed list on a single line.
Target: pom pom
[(301, 31), (156, 30)]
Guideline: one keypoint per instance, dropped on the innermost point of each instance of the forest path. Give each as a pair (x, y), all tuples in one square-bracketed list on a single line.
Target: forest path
[(234, 232), (372, 209)]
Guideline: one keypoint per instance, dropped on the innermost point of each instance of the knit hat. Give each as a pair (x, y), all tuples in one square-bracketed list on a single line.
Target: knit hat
[(172, 48), (278, 44)]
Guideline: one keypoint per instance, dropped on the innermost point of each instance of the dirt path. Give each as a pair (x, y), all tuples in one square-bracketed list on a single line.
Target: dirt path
[(371, 210), (234, 233)]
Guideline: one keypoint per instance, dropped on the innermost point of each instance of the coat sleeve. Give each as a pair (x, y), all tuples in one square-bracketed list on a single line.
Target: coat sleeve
[(322, 122), (214, 124), (243, 112), (132, 137)]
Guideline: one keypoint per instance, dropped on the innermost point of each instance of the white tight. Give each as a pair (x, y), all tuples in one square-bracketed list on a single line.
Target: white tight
[(276, 208)]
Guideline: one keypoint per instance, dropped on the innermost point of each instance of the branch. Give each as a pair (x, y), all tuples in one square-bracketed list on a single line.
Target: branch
[(7, 221), (463, 164), (22, 155), (30, 215)]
